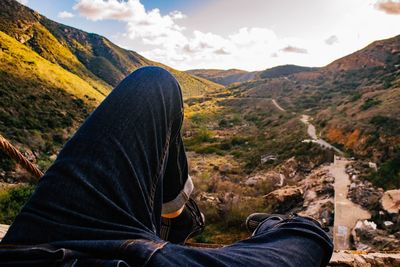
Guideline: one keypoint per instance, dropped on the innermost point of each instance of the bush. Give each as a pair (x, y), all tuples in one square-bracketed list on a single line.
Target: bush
[(6, 163), (389, 126), (204, 135), (209, 150), (12, 201), (388, 175), (198, 118), (237, 141), (370, 102), (355, 96), (223, 123)]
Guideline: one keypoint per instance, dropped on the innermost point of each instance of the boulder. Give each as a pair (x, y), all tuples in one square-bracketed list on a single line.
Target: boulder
[(390, 201), (367, 237), (284, 199)]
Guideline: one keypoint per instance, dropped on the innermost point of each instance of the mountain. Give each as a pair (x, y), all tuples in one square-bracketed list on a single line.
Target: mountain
[(90, 56), (224, 77), (52, 76), (355, 101), (227, 77), (281, 71)]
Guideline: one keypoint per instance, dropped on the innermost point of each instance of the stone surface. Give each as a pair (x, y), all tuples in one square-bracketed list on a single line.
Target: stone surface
[(284, 199), (3, 230), (360, 259), (368, 237), (391, 201)]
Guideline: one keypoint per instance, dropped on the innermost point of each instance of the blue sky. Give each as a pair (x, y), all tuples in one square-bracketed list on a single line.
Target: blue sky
[(250, 35)]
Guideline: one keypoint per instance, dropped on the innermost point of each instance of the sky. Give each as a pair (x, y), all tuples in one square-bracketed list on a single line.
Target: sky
[(224, 34)]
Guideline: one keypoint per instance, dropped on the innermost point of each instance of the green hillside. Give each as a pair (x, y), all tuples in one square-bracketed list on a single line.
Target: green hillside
[(53, 75), (41, 103), (90, 56)]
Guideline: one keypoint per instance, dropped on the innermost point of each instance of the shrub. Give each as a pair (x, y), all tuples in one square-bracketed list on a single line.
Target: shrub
[(388, 175), (237, 141), (387, 125), (223, 123), (209, 150), (198, 118), (204, 135), (355, 96), (12, 201), (370, 102)]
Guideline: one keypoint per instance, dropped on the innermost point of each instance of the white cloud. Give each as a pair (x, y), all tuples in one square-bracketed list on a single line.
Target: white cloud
[(294, 49), (162, 37), (391, 7), (65, 15), (24, 2), (151, 26), (331, 40)]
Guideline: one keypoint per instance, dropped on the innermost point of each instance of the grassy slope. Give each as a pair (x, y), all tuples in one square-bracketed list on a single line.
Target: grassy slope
[(92, 57), (42, 103), (19, 59)]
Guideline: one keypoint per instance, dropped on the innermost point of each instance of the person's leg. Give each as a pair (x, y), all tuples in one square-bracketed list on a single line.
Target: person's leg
[(296, 242), (107, 182)]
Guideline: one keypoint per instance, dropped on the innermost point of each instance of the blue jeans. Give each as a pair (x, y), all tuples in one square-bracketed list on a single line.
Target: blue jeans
[(100, 203)]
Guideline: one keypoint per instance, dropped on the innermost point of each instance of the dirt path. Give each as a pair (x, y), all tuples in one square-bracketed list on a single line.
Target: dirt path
[(312, 132), (277, 105), (347, 213)]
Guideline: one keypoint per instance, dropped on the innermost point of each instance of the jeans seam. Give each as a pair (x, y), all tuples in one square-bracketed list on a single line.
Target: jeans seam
[(166, 146)]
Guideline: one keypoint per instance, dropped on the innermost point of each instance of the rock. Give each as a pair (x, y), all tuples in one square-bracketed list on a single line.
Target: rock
[(365, 195), (272, 177), (208, 198), (344, 258), (268, 158), (391, 201), (388, 224), (373, 165), (284, 199), (366, 236), (225, 168), (3, 230)]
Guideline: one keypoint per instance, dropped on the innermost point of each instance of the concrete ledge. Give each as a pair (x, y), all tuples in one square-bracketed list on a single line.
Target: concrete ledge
[(364, 259)]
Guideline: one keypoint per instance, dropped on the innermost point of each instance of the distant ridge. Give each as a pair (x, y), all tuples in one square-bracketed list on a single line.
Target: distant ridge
[(284, 70), (227, 77)]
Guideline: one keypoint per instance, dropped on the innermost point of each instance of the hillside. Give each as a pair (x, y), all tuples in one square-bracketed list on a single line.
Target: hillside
[(355, 100), (282, 71), (227, 77), (52, 76), (88, 55), (224, 77), (41, 102)]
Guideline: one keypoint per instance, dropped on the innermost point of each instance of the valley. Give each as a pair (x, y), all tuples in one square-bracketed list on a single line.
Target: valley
[(321, 142)]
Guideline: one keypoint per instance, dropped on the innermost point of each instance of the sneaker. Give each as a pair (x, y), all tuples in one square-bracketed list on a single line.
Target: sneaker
[(188, 224), (254, 220)]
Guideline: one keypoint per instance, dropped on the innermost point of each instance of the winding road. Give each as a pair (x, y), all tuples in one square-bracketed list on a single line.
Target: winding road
[(347, 213)]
